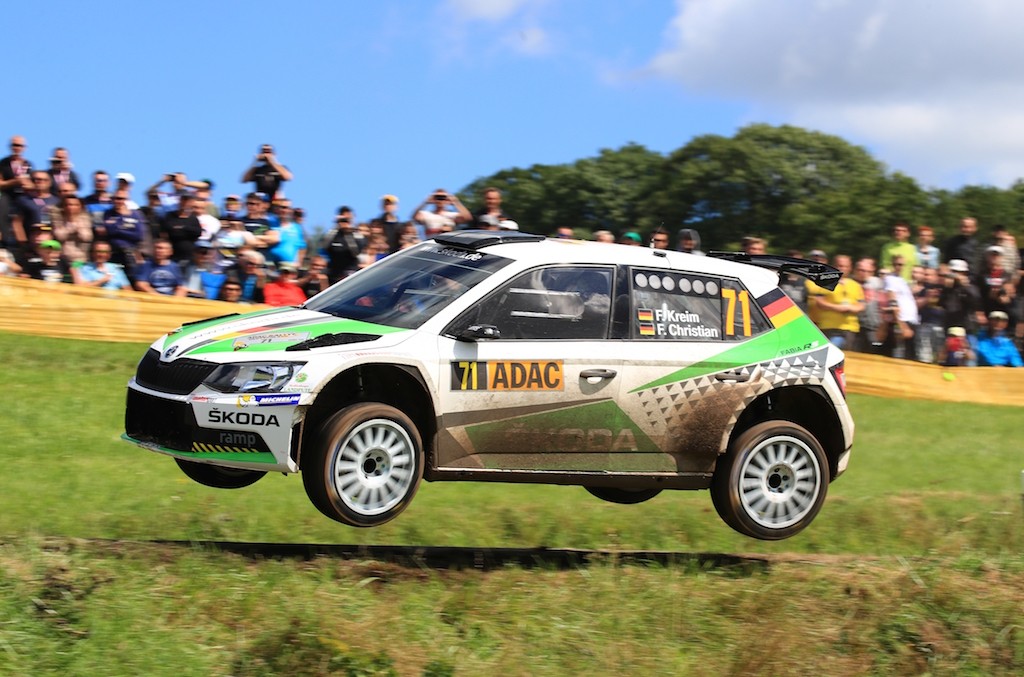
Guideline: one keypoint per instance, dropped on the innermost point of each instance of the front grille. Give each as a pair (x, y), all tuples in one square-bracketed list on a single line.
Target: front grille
[(154, 419), (179, 377)]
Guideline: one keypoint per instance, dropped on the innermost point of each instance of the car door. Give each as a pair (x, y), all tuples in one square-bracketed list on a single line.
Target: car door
[(541, 395), (697, 335)]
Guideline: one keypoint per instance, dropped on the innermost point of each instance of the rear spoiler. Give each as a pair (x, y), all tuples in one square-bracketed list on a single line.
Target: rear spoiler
[(818, 273)]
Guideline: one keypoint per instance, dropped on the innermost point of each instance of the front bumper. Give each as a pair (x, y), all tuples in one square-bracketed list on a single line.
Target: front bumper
[(240, 431)]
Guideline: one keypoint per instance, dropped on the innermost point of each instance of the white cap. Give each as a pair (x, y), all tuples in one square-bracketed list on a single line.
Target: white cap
[(126, 177), (508, 224)]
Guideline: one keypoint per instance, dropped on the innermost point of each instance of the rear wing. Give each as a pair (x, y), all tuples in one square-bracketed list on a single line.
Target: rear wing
[(820, 274)]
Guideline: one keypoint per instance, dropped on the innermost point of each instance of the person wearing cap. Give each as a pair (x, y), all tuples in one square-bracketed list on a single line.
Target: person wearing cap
[(125, 181), (202, 277), (285, 290), (232, 207), (266, 173), (631, 239), (958, 349), (900, 245), (61, 170), (49, 265), (995, 348), (960, 297)]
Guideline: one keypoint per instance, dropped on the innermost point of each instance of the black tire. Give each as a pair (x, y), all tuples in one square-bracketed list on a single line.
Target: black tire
[(623, 496), (365, 465), (786, 478), (219, 477)]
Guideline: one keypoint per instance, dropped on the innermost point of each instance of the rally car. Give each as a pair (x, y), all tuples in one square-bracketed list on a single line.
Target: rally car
[(511, 357)]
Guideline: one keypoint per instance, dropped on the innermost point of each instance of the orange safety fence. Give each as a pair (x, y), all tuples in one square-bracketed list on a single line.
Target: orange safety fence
[(70, 311)]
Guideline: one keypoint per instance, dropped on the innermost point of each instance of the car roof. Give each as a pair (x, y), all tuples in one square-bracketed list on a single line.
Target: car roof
[(538, 250)]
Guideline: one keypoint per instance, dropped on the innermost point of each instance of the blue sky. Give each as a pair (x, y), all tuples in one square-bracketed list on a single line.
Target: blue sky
[(367, 98)]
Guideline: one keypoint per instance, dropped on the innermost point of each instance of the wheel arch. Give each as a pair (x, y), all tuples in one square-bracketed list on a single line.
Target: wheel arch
[(807, 406), (399, 386)]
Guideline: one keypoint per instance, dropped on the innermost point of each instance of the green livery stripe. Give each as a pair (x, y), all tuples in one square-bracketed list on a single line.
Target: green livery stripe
[(213, 322), (766, 347), (232, 341), (211, 452)]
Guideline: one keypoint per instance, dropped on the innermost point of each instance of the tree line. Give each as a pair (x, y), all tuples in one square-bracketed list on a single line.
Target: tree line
[(798, 188)]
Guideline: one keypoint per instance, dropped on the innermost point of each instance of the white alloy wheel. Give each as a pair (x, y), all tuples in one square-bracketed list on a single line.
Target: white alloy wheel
[(779, 482), (373, 467), (364, 465)]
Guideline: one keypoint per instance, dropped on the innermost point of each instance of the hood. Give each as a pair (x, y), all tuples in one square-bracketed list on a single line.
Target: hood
[(265, 331)]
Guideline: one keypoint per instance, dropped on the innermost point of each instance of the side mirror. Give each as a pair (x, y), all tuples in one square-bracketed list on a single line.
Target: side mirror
[(480, 332)]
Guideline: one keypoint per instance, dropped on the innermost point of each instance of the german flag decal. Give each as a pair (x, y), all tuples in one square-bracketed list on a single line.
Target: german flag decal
[(779, 308), (645, 321)]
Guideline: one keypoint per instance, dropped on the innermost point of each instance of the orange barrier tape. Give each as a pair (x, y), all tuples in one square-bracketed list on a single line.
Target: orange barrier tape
[(886, 377), (69, 311)]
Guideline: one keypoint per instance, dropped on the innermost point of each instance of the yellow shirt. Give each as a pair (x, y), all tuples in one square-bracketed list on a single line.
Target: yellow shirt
[(847, 292)]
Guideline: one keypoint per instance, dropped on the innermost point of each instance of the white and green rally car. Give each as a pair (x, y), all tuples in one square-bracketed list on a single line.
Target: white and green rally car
[(509, 357)]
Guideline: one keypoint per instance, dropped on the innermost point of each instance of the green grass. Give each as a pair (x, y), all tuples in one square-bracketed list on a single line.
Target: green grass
[(913, 566)]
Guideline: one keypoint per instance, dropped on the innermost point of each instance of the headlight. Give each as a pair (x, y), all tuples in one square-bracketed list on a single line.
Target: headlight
[(253, 377)]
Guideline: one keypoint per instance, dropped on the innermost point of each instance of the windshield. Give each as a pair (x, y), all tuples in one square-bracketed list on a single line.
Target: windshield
[(407, 289)]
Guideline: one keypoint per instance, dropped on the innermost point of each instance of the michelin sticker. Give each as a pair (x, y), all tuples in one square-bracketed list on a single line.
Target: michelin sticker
[(286, 400)]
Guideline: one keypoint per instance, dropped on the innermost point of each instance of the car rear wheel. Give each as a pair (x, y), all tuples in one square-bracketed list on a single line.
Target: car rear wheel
[(219, 477), (623, 496), (772, 482), (365, 465)]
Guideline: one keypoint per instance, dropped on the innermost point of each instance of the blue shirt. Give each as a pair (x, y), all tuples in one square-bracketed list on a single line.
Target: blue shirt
[(118, 280), (997, 351), (164, 279), (291, 243)]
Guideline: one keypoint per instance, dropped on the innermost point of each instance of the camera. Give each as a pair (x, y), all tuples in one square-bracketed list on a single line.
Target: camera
[(440, 196)]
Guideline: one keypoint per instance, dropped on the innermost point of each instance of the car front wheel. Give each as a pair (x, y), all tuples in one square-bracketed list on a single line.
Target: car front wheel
[(219, 477), (365, 465), (772, 481)]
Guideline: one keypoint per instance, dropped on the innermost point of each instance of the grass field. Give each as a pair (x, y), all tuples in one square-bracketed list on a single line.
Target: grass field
[(914, 565)]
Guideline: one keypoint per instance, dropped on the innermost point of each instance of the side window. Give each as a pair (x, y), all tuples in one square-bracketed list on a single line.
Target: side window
[(673, 306), (550, 303)]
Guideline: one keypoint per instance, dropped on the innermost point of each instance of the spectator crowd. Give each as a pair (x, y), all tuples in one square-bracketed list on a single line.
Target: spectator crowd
[(961, 304)]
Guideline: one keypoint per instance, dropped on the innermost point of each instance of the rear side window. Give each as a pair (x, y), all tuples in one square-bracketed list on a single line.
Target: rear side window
[(673, 306)]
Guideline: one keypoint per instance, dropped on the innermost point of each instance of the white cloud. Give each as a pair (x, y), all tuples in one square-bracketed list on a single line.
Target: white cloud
[(487, 10), (934, 87)]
